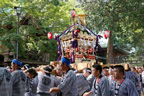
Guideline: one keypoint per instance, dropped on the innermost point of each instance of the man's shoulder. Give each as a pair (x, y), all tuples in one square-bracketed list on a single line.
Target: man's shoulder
[(129, 73), (15, 72), (103, 79), (128, 82), (80, 76), (3, 69), (18, 72), (70, 73)]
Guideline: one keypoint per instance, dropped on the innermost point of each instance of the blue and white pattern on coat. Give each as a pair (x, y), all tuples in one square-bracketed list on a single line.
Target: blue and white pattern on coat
[(127, 88), (68, 85), (5, 82), (101, 88), (18, 83)]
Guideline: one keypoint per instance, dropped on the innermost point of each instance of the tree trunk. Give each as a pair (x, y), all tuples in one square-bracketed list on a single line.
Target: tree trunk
[(110, 59)]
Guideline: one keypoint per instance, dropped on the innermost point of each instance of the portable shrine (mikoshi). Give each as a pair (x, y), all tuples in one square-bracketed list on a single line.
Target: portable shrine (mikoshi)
[(78, 43)]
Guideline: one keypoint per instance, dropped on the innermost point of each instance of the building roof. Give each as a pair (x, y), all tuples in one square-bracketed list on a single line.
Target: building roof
[(119, 51)]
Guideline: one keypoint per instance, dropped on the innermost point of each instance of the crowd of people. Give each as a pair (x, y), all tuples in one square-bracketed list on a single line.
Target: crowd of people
[(97, 81)]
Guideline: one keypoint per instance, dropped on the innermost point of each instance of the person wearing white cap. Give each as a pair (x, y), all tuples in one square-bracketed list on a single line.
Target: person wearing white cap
[(18, 79), (25, 67), (109, 77), (89, 77), (68, 85), (5, 79), (106, 71)]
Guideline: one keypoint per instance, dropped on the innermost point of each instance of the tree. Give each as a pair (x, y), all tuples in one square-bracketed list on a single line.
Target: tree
[(38, 17), (122, 17)]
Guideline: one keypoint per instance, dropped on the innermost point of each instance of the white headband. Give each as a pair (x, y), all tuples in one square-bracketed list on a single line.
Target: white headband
[(46, 71), (107, 69), (26, 67), (88, 70)]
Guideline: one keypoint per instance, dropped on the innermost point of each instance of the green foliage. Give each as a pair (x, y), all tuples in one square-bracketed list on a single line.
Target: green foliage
[(43, 16), (124, 18)]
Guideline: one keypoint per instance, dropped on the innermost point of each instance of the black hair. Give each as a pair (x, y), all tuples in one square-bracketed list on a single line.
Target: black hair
[(1, 59), (52, 67), (134, 68), (32, 72), (111, 67), (73, 69), (26, 66), (105, 67), (120, 67), (97, 67), (47, 68), (129, 69)]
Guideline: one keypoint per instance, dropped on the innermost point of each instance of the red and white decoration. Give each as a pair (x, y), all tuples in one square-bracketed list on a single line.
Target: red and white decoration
[(50, 35), (106, 34), (76, 31), (73, 13)]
